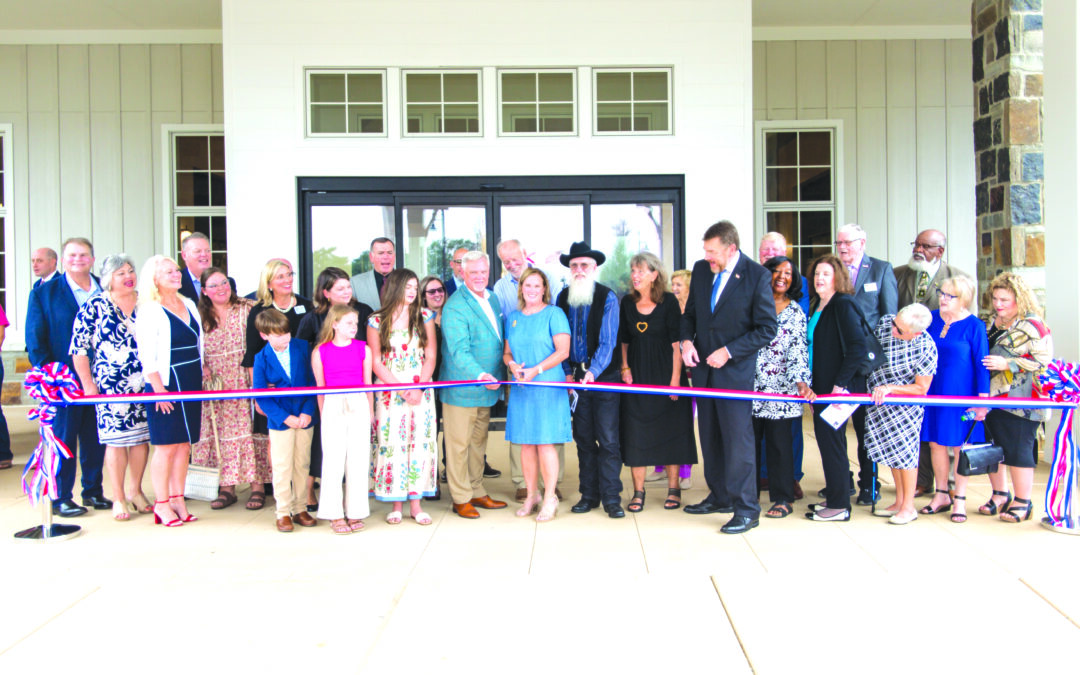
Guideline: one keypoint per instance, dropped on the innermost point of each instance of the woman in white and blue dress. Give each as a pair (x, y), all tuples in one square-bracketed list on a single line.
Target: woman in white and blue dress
[(537, 342), (169, 337), (106, 358), (892, 431)]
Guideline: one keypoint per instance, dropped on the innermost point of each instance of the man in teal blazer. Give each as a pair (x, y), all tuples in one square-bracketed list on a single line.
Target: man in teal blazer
[(472, 327)]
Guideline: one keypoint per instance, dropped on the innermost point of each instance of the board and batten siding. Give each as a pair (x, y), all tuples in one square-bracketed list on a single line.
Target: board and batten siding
[(907, 111), (86, 144)]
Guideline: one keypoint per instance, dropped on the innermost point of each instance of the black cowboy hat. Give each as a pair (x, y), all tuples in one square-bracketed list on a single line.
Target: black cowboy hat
[(581, 250)]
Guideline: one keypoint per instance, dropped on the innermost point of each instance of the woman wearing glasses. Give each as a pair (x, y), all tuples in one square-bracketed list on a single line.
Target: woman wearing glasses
[(961, 343)]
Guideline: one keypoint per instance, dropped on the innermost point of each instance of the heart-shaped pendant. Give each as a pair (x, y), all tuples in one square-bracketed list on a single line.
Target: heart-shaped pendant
[(642, 326)]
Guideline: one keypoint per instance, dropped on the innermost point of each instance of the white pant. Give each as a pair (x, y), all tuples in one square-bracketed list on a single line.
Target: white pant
[(346, 447)]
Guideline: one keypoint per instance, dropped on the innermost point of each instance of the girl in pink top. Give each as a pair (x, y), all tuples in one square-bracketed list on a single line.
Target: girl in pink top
[(340, 360)]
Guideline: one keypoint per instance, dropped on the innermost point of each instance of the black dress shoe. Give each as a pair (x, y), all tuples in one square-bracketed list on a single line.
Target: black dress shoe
[(98, 502), (865, 499), (705, 507), (584, 506), (739, 524), (614, 510), (67, 509), (490, 472)]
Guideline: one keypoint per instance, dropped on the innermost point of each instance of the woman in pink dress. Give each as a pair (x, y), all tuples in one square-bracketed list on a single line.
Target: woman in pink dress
[(244, 458)]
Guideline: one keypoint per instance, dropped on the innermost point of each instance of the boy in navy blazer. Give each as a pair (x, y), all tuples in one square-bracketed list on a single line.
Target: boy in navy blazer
[(285, 362)]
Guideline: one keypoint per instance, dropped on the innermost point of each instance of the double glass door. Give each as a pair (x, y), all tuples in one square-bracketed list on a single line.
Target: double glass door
[(337, 226)]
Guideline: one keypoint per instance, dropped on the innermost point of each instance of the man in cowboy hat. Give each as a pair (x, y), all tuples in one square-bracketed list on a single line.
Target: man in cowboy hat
[(593, 312)]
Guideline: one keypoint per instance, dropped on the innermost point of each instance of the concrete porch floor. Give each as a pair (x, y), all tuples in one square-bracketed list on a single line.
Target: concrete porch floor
[(506, 594)]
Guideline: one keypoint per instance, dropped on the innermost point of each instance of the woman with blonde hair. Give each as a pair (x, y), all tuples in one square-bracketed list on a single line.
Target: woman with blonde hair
[(1020, 348), (169, 339), (275, 290)]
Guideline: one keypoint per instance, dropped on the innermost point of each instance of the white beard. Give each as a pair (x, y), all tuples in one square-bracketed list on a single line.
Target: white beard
[(921, 265), (581, 291)]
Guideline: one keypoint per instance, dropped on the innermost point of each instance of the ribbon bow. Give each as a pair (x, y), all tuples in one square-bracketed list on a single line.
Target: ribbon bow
[(50, 384), (1061, 382)]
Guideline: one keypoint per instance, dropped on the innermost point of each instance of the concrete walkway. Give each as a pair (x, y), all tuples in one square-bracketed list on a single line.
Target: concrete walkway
[(660, 591)]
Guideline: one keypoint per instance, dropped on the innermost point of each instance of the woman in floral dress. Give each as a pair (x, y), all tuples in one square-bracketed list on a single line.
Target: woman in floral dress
[(104, 331), (401, 337), (244, 458)]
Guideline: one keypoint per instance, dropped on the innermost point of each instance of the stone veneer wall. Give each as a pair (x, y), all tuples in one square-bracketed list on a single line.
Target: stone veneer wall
[(1007, 69)]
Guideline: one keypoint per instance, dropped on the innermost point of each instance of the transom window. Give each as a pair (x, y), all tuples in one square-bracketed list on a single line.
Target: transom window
[(797, 188), (537, 102), (199, 191), (441, 102), (346, 103), (636, 101)]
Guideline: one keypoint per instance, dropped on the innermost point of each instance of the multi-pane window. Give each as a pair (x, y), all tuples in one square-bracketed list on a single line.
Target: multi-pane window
[(636, 101), (536, 102), (799, 189), (5, 175), (441, 102), (199, 190), (346, 102)]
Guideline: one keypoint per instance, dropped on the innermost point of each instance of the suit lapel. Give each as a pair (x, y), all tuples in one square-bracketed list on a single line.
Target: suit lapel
[(864, 272), (735, 279), (479, 311)]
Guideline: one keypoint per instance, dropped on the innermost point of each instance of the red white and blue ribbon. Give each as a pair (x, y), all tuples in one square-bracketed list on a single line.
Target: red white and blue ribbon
[(1061, 382), (49, 385)]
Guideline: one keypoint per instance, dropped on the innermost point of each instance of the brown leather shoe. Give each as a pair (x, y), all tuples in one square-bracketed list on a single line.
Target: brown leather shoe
[(520, 495), (466, 510), (798, 491), (304, 519), (486, 502), (284, 524)]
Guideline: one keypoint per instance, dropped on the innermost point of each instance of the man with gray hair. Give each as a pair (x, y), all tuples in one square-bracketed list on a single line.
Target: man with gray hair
[(875, 294), (513, 257)]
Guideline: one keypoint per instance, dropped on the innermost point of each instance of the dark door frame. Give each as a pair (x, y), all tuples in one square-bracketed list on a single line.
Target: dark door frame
[(398, 192)]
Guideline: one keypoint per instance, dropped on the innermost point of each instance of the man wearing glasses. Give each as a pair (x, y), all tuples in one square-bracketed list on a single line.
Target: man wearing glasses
[(921, 278), (455, 281), (875, 294)]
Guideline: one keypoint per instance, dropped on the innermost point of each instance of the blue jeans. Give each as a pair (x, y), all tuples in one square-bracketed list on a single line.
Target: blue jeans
[(596, 432)]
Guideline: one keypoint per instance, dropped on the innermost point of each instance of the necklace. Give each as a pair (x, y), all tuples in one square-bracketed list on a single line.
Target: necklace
[(283, 310)]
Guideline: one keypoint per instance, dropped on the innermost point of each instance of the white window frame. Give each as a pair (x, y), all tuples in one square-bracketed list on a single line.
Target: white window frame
[(836, 204), (405, 72), (308, 72), (572, 72), (7, 213), (170, 212), (650, 69)]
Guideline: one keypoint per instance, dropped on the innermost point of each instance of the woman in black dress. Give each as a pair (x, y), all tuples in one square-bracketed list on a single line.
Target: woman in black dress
[(654, 429)]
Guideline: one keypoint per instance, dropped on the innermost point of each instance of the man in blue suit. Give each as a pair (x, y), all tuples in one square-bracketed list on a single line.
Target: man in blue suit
[(50, 319), (43, 262), (472, 347)]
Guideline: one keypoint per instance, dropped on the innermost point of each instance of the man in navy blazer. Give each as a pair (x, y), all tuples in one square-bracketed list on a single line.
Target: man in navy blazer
[(50, 319), (43, 263), (730, 315), (195, 252), (876, 296)]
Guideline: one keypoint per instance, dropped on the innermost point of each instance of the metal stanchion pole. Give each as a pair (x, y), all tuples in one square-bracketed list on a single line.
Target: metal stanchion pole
[(47, 530)]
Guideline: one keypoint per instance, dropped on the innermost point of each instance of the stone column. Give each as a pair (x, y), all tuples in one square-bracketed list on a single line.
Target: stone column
[(1007, 69)]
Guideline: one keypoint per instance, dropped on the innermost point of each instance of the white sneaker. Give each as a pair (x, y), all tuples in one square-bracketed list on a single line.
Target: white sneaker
[(655, 476), (686, 484)]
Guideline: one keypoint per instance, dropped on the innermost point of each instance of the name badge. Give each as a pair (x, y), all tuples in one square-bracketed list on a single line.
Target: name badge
[(299, 309), (870, 287)]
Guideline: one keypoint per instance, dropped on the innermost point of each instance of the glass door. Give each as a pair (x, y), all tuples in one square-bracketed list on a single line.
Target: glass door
[(434, 226)]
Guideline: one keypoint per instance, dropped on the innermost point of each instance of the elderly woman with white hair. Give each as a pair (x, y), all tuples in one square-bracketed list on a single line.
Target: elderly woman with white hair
[(962, 345), (170, 340), (106, 359), (892, 431)]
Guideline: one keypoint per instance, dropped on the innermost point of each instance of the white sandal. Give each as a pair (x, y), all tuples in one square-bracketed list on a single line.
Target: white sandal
[(393, 518), (422, 518)]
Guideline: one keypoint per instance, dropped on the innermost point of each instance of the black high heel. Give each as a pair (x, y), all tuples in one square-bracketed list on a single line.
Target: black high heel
[(928, 511), (1013, 512), (991, 508), (637, 502)]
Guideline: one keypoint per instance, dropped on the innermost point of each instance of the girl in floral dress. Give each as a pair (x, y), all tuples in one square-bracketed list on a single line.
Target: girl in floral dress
[(401, 336)]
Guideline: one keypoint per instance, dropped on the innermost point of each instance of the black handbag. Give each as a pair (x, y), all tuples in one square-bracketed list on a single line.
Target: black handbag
[(976, 460)]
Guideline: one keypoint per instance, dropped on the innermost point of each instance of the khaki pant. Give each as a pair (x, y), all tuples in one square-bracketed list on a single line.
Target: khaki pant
[(516, 474), (465, 432), (290, 458)]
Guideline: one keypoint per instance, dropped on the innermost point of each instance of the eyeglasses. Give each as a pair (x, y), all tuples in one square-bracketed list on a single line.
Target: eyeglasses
[(842, 242), (284, 275), (899, 330), (456, 261), (214, 287), (918, 244), (435, 291), (943, 294)]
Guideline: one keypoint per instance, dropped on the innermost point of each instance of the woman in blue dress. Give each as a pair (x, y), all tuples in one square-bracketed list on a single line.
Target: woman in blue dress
[(537, 342), (961, 343), (169, 336)]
